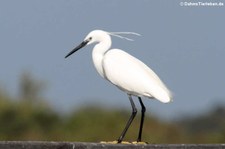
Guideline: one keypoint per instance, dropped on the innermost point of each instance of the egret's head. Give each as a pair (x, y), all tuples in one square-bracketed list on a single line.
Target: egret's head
[(100, 36), (96, 36), (92, 37)]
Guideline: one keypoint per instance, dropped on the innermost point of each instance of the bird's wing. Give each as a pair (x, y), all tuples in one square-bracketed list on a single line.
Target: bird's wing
[(133, 76)]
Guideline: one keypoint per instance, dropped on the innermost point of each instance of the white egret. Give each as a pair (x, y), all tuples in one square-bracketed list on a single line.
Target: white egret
[(126, 72)]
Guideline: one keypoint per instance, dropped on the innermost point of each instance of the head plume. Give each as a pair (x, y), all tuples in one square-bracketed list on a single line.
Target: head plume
[(118, 34)]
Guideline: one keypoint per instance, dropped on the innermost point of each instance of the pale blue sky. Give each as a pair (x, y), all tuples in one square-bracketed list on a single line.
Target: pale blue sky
[(185, 46)]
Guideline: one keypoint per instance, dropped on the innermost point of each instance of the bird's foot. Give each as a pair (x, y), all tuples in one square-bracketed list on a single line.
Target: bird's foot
[(109, 142), (124, 142), (139, 142), (115, 142)]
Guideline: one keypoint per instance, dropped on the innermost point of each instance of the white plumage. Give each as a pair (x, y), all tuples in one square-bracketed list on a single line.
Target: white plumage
[(125, 71), (133, 76)]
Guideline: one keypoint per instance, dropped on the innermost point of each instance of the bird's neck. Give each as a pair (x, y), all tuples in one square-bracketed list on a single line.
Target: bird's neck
[(98, 53)]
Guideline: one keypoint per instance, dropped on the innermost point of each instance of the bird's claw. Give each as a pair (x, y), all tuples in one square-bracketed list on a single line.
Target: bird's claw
[(139, 142), (109, 142), (123, 142), (115, 142)]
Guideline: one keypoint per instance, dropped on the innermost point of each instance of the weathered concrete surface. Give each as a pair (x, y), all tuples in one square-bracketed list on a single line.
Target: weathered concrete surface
[(83, 145)]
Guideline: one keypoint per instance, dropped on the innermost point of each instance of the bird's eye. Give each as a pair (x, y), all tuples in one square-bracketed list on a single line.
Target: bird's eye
[(90, 38)]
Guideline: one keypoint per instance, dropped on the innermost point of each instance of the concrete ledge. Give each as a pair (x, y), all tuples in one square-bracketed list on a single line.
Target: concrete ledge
[(84, 145)]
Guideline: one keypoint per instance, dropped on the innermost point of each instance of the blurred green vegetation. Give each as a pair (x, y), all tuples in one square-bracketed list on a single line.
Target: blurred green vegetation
[(29, 117)]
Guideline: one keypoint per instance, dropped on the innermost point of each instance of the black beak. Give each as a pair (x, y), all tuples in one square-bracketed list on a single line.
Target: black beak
[(84, 43)]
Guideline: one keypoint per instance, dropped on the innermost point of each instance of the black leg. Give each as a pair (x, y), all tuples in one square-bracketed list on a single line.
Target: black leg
[(143, 109), (134, 112)]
